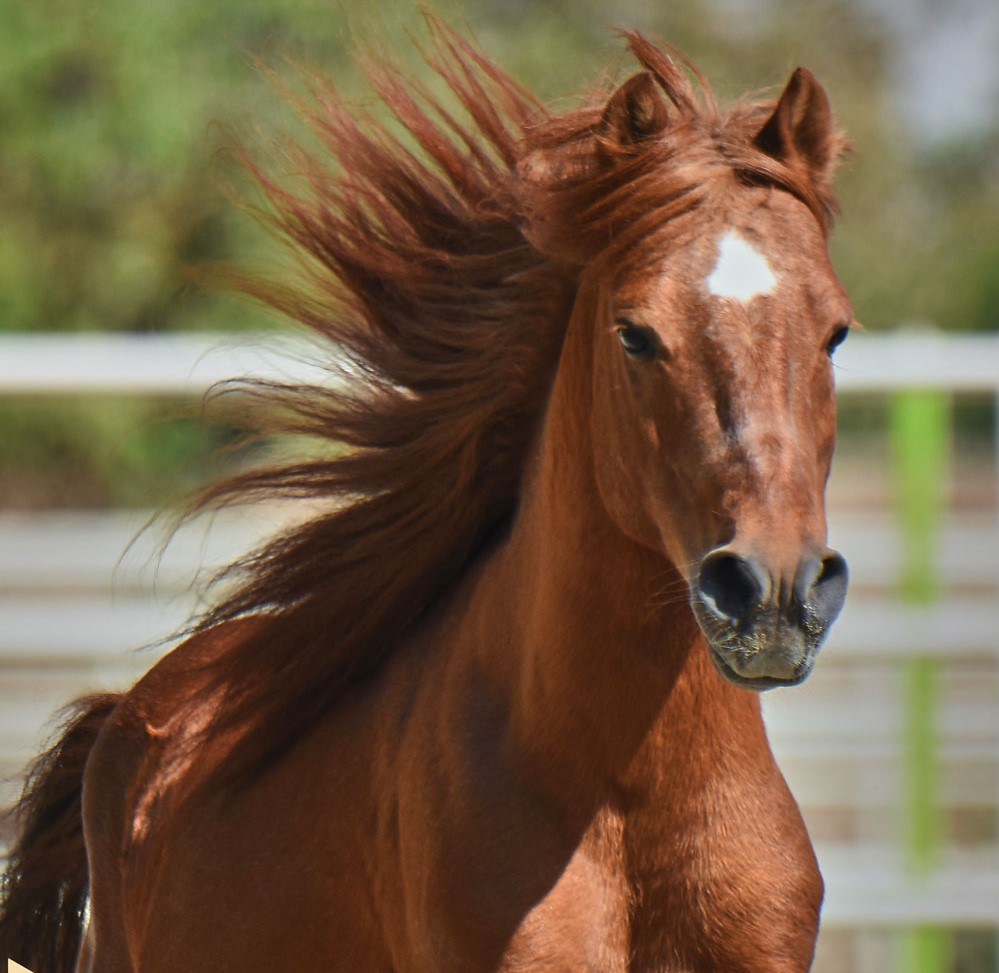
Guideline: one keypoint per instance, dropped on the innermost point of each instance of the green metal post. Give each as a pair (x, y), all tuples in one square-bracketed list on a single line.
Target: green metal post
[(920, 425)]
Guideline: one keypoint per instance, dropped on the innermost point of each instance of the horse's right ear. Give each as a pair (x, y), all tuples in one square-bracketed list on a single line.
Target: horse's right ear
[(553, 180), (635, 112)]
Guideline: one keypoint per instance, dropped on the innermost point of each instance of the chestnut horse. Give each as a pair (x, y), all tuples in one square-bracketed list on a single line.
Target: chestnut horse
[(496, 706)]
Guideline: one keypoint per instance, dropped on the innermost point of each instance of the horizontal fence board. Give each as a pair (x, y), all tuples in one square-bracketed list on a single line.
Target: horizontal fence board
[(90, 559), (868, 886), (966, 549), (187, 364), (84, 628), (101, 625), (68, 549), (871, 781), (918, 358), (191, 363), (959, 626)]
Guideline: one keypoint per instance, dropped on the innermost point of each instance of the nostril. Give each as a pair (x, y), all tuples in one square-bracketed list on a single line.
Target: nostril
[(833, 568), (828, 591), (730, 585)]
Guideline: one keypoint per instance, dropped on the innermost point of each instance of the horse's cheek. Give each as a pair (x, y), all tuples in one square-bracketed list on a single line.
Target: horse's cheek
[(623, 481)]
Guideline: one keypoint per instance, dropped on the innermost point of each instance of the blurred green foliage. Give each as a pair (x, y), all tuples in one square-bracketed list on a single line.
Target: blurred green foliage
[(115, 116), (97, 452)]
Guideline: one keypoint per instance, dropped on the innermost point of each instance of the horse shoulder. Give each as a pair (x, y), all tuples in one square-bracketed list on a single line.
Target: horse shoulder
[(171, 848), (129, 753)]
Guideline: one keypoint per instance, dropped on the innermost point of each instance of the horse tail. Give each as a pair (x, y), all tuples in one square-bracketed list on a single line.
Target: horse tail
[(43, 892)]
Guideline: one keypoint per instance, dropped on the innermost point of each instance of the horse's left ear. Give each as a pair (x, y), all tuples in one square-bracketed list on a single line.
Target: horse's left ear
[(801, 129), (635, 112)]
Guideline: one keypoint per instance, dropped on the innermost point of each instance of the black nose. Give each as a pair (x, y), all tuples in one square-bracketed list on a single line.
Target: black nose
[(820, 587), (734, 588)]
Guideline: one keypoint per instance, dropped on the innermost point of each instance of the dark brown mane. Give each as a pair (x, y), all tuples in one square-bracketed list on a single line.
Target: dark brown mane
[(443, 275)]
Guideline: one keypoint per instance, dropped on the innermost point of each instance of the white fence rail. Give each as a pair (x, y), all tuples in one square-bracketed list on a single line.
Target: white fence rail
[(139, 364), (186, 364), (72, 609)]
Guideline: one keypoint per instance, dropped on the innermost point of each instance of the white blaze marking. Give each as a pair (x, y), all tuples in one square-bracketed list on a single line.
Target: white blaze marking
[(742, 272)]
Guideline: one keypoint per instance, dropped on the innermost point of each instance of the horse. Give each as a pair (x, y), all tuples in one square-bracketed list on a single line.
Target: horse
[(494, 705)]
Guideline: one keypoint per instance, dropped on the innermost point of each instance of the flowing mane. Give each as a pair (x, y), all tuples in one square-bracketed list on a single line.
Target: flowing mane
[(442, 270)]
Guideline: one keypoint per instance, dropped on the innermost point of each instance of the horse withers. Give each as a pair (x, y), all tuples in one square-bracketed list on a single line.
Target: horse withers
[(487, 710)]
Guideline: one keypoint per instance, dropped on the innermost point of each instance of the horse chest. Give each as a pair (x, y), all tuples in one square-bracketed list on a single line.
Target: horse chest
[(581, 925), (703, 907)]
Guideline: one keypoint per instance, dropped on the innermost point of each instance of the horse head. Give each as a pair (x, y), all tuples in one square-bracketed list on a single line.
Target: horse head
[(714, 314)]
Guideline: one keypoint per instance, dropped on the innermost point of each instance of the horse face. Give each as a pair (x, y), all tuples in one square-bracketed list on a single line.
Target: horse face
[(714, 424)]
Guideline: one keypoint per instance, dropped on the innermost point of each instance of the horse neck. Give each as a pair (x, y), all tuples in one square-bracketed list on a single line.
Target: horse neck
[(591, 634)]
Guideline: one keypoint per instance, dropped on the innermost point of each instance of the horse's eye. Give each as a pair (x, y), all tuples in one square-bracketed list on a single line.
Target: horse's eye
[(640, 343), (839, 336)]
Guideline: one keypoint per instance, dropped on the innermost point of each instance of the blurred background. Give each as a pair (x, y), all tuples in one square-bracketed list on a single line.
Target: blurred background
[(116, 121)]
